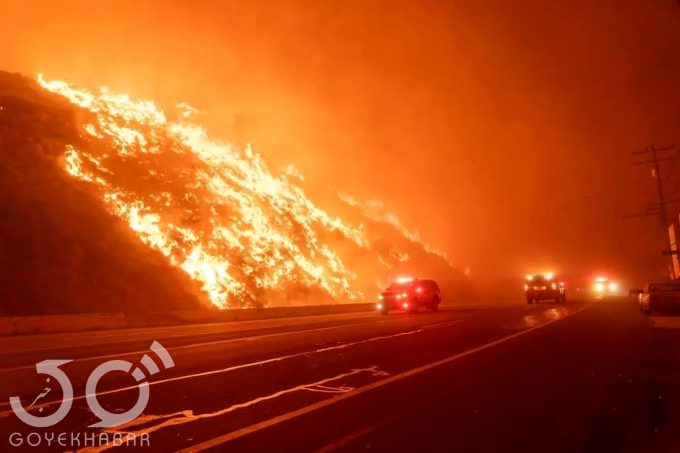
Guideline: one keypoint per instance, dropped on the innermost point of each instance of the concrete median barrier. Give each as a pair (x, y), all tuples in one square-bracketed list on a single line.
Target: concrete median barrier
[(172, 318), (16, 325), (61, 323)]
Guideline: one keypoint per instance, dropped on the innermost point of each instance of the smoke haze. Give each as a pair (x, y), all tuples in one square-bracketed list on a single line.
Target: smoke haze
[(500, 130)]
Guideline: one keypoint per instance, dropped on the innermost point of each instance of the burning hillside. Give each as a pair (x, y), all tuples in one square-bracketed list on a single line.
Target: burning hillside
[(246, 235), (62, 252)]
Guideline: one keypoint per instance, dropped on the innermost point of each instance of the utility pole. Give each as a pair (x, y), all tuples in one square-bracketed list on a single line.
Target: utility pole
[(659, 186), (656, 173), (650, 209)]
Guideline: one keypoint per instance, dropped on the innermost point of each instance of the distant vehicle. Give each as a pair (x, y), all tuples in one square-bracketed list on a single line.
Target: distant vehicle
[(544, 287), (410, 294), (660, 297), (604, 287)]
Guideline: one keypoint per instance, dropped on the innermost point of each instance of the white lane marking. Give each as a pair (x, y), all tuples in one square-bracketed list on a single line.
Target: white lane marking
[(666, 322), (197, 345), (187, 416), (242, 366), (327, 402), (328, 389)]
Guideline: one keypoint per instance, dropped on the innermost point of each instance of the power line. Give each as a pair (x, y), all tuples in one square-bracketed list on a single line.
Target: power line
[(656, 205), (644, 214), (675, 159), (653, 161)]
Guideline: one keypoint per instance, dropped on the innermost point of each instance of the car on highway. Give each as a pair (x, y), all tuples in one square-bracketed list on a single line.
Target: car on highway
[(410, 294), (544, 287), (657, 297), (604, 287)]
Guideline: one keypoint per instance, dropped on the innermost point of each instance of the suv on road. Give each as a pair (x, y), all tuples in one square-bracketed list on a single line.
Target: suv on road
[(544, 287), (410, 294)]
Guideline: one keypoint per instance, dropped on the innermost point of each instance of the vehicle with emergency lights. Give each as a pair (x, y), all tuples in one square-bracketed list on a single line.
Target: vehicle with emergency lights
[(410, 294), (602, 287), (544, 287)]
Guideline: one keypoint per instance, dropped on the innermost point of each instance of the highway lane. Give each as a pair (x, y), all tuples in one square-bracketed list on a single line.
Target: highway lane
[(225, 344), (503, 377), (25, 350)]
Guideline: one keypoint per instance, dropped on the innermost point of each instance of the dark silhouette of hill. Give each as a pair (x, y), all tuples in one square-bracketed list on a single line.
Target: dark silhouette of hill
[(60, 250)]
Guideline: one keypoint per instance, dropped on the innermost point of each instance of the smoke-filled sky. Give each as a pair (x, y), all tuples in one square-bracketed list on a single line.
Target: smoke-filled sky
[(500, 130)]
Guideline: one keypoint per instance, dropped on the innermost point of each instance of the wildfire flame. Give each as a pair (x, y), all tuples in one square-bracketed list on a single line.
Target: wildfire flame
[(216, 212), (374, 209)]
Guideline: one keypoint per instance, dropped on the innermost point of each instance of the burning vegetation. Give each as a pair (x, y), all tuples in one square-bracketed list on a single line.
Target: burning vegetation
[(247, 236)]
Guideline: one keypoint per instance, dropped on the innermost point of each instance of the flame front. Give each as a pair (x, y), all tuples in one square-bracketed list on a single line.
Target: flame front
[(250, 237), (217, 213)]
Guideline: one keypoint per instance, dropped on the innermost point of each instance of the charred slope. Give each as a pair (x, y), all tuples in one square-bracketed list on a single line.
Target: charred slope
[(60, 250)]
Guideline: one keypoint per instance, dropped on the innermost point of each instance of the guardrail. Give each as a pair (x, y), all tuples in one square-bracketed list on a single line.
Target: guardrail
[(15, 325)]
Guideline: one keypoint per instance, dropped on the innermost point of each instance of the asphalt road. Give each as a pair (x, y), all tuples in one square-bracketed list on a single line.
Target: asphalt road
[(585, 376)]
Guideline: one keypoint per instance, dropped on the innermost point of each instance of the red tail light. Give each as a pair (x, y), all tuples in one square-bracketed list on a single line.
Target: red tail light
[(419, 289)]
